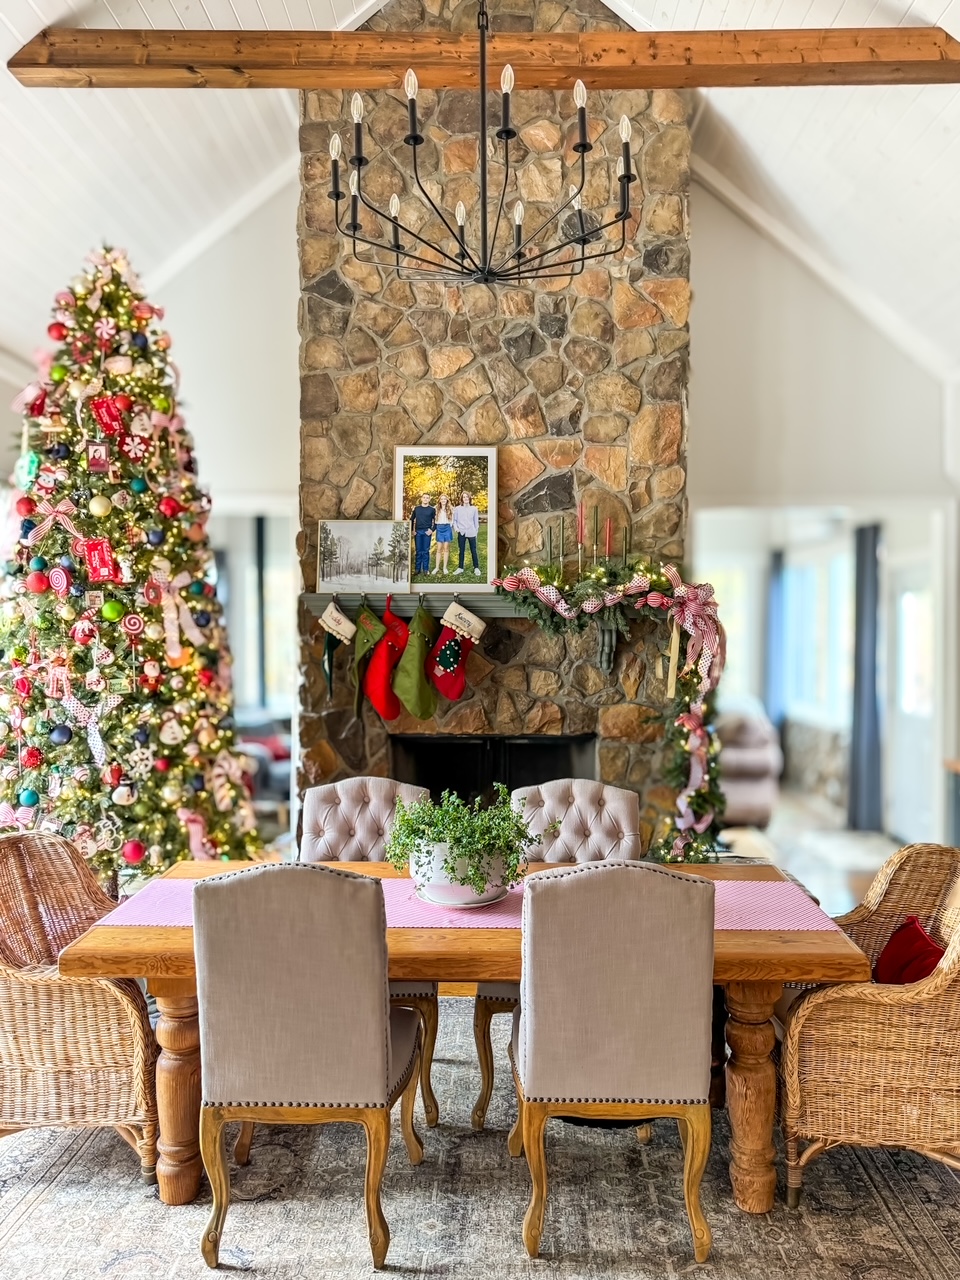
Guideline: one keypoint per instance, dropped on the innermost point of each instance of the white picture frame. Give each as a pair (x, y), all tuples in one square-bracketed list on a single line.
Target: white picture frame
[(468, 469)]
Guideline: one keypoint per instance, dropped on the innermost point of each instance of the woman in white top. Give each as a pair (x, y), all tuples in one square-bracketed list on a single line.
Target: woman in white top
[(443, 528), (466, 524)]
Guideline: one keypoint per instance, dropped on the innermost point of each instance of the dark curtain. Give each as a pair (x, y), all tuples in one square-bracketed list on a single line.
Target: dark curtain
[(773, 675), (865, 806)]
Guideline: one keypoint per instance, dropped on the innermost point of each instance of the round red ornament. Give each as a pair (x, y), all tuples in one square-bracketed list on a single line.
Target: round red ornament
[(37, 582), (205, 677), (169, 507), (161, 764), (133, 852), (31, 758), (57, 331), (26, 506), (123, 402)]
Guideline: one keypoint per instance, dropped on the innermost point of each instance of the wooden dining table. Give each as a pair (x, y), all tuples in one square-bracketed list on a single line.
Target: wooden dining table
[(751, 966)]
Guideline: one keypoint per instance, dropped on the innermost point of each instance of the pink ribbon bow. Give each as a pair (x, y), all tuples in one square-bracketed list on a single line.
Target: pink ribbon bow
[(176, 615), (59, 514), (695, 611), (10, 817)]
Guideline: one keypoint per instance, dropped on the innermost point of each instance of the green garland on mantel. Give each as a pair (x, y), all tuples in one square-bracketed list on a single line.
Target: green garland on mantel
[(615, 594)]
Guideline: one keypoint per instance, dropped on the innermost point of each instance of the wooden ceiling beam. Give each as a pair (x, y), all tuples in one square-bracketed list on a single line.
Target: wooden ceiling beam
[(90, 59)]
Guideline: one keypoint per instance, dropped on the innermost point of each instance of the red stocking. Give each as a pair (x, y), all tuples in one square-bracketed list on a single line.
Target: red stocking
[(378, 680), (446, 665)]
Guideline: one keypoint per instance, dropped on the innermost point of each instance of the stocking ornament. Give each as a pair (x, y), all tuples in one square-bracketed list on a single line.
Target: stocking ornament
[(377, 683), (448, 661)]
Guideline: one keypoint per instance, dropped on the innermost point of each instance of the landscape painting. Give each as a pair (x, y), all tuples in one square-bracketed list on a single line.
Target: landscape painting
[(363, 555)]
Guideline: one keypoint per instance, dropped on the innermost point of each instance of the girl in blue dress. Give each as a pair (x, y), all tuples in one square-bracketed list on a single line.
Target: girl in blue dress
[(444, 534)]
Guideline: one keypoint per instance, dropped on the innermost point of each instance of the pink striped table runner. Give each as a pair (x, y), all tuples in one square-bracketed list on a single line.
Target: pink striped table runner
[(763, 905)]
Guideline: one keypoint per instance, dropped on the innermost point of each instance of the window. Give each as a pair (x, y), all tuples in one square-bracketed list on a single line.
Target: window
[(818, 635)]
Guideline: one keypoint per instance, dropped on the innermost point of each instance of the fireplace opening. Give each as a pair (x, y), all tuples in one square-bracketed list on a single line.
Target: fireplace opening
[(471, 765)]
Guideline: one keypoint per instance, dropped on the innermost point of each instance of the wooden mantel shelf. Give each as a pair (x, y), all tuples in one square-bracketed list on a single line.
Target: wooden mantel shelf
[(484, 605), (69, 58)]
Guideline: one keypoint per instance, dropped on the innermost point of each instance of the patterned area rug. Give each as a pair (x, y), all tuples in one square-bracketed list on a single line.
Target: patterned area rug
[(72, 1206)]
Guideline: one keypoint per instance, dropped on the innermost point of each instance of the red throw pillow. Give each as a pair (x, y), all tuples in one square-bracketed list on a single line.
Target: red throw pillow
[(910, 954)]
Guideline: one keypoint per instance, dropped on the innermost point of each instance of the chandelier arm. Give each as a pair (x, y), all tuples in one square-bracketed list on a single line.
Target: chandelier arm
[(546, 270), (403, 227), (390, 249), (440, 214), (547, 221), (541, 272), (503, 195), (604, 226)]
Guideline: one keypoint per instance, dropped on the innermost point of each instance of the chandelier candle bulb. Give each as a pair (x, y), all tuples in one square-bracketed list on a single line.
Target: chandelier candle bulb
[(411, 87), (505, 132), (626, 133), (580, 98), (461, 215), (354, 223), (577, 203), (394, 215), (336, 150), (356, 107)]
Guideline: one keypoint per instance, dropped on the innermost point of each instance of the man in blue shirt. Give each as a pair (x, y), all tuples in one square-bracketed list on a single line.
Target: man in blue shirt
[(422, 520)]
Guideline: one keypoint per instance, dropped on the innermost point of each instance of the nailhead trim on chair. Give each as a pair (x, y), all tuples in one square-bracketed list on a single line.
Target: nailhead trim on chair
[(632, 1102), (324, 1106)]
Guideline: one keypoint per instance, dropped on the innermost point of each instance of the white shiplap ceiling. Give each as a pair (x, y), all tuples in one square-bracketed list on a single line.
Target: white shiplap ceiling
[(864, 183)]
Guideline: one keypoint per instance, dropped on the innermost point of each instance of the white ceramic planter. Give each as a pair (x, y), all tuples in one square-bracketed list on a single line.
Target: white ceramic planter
[(426, 868)]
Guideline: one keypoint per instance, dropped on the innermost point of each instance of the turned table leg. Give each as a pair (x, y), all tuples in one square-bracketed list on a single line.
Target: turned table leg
[(178, 1093), (752, 1092)]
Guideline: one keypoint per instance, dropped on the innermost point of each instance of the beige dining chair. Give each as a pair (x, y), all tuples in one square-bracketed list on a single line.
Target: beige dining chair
[(74, 1052), (578, 821), (349, 821), (599, 1033), (296, 1024)]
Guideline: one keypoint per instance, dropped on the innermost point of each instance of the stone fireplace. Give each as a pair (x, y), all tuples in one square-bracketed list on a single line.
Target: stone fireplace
[(581, 385)]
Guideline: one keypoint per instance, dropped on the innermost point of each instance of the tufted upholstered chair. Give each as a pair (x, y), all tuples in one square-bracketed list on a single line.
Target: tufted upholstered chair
[(296, 1023), (578, 821), (350, 821), (598, 1033)]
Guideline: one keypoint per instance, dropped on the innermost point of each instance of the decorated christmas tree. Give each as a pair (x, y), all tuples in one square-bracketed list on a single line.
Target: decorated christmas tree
[(116, 721)]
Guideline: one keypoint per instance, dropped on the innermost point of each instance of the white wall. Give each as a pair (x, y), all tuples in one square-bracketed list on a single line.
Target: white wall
[(794, 397), (232, 315)]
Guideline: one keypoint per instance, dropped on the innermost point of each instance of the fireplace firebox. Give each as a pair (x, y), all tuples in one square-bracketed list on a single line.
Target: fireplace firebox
[(470, 766)]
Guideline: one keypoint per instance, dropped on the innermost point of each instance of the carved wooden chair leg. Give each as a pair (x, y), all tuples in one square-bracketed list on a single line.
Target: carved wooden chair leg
[(534, 1123), (410, 1136), (377, 1126), (483, 1011), (430, 1016), (214, 1155), (695, 1135), (515, 1137), (644, 1134), (148, 1154), (241, 1151)]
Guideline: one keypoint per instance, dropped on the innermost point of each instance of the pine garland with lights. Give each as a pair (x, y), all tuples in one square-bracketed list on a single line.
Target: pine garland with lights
[(116, 708), (614, 594)]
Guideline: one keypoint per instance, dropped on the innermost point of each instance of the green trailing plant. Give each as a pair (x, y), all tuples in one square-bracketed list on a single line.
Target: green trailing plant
[(487, 843)]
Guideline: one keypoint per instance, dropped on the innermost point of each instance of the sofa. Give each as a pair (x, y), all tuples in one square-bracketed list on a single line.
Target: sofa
[(750, 766)]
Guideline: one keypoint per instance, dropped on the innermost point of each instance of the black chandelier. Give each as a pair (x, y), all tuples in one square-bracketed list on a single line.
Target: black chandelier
[(485, 261)]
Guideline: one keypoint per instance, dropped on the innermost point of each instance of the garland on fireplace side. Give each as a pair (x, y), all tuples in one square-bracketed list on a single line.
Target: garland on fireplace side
[(614, 594)]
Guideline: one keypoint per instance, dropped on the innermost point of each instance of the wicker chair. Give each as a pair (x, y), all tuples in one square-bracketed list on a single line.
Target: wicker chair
[(74, 1052), (874, 1065)]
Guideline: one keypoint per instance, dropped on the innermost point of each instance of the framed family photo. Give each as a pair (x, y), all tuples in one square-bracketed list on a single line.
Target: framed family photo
[(448, 498), (363, 555)]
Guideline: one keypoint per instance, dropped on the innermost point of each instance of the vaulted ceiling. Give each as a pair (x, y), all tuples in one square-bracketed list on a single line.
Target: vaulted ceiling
[(862, 183)]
